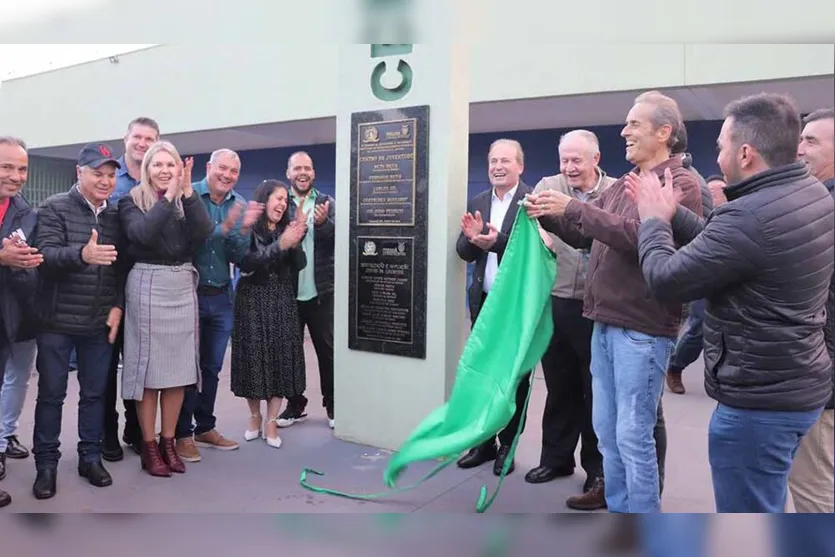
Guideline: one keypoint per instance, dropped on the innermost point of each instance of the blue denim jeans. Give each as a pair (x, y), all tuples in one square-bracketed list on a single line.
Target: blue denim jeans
[(19, 367), (685, 535), (691, 342), (627, 369), (197, 415), (53, 361), (674, 535), (751, 454)]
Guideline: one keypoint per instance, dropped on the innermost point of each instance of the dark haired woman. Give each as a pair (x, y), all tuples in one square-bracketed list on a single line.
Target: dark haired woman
[(267, 345)]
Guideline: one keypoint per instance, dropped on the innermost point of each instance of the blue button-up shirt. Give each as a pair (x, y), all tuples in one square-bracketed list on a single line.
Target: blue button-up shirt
[(124, 182), (220, 250)]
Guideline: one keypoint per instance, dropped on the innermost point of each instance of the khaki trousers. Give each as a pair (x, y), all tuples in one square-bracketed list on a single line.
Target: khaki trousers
[(812, 479)]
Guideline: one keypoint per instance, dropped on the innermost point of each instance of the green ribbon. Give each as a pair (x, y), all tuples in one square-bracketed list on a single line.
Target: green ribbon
[(510, 336), (481, 505)]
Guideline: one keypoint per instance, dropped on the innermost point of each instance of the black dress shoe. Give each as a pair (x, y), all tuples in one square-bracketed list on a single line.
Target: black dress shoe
[(478, 456), (95, 473), (2, 466), (14, 449), (501, 457), (111, 450), (542, 474), (5, 499), (133, 444), (45, 483)]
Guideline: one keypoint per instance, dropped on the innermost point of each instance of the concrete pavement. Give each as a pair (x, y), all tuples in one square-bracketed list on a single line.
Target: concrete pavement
[(260, 479)]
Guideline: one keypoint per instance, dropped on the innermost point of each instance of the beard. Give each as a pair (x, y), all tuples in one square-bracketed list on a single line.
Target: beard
[(732, 173)]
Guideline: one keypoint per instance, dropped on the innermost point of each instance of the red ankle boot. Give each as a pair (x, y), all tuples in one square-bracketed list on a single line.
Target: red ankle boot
[(170, 456), (152, 460)]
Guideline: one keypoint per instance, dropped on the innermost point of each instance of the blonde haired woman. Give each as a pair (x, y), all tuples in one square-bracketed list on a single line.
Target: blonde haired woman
[(165, 223)]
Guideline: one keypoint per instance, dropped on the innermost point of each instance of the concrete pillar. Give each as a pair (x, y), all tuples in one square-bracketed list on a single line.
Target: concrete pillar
[(401, 188)]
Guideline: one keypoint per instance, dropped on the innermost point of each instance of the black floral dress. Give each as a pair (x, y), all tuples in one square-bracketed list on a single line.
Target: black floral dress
[(267, 342)]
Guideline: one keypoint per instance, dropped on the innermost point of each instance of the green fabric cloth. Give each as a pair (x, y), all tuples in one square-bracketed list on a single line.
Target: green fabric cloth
[(509, 338)]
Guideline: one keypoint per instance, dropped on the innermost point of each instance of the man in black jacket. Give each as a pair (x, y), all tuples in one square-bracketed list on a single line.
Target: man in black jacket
[(315, 294), (811, 481), (764, 262), (689, 344), (485, 231), (18, 260), (80, 299)]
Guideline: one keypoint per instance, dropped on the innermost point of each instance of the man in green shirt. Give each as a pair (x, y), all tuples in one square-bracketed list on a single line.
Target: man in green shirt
[(315, 296)]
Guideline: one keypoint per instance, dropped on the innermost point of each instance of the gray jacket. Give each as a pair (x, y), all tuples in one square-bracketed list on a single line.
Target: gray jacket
[(572, 263)]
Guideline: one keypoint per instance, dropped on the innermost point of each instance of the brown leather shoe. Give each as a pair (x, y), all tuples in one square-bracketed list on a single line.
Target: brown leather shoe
[(187, 450), (214, 440), (592, 500), (674, 382), (152, 460), (170, 456)]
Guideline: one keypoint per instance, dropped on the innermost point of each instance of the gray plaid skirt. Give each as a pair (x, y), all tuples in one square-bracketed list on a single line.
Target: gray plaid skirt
[(161, 329)]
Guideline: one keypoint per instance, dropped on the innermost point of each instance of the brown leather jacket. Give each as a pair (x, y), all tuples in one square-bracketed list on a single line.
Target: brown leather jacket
[(616, 293)]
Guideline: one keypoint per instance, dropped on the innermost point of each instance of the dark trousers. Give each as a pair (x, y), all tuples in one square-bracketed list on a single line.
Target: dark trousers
[(509, 432), (111, 415), (5, 349), (53, 362), (660, 435), (317, 316), (567, 416), (217, 315)]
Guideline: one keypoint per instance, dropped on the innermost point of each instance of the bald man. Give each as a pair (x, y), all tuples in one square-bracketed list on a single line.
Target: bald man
[(567, 415)]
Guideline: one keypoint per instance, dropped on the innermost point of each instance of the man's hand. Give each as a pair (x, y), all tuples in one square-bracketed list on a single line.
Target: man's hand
[(653, 200), (114, 318), (185, 177), (320, 213), (551, 203), (717, 194), (95, 254), (18, 255), (472, 225), (252, 214), (232, 217), (486, 241)]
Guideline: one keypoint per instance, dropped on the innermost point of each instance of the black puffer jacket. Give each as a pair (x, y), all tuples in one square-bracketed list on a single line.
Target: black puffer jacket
[(829, 329), (18, 286), (74, 297), (764, 263)]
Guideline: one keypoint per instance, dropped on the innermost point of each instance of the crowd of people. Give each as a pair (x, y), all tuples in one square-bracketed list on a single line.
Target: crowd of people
[(130, 271), (749, 254)]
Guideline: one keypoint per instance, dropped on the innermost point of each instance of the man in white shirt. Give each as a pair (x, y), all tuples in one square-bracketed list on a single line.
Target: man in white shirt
[(485, 230)]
